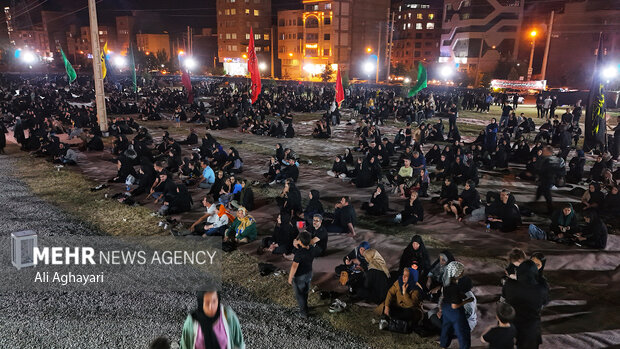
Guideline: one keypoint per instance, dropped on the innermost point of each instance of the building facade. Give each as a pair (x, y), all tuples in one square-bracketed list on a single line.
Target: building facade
[(574, 42), (79, 44), (124, 32), (476, 34), (417, 33), (153, 43), (234, 20), (339, 33)]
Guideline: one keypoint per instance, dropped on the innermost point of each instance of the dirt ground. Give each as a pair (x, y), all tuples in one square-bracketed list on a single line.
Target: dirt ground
[(583, 311)]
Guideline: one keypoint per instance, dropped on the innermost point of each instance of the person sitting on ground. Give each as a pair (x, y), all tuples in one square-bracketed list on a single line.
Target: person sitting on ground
[(468, 201), (210, 216), (611, 204), (212, 325), (421, 183), (563, 223), (180, 202), (313, 207), (416, 253), (413, 212), (576, 167), (191, 139), (244, 197), (344, 218), (281, 240), (243, 228), (375, 279), (351, 272), (449, 192), (289, 200), (339, 168), (319, 234), (290, 171), (405, 173), (274, 167), (207, 178), (506, 217), (378, 204), (503, 335), (403, 300), (594, 233), (436, 274), (593, 197)]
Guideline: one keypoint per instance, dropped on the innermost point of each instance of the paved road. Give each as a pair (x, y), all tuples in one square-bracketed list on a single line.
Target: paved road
[(123, 319)]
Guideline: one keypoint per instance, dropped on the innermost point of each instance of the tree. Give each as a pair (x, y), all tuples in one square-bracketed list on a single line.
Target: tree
[(327, 73), (485, 80), (399, 69)]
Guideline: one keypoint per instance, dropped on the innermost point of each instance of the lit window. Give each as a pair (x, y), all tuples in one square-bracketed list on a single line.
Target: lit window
[(328, 6), (233, 11), (431, 16), (409, 14), (404, 26), (247, 11), (419, 16), (100, 32), (257, 48), (247, 36), (227, 35), (227, 12), (234, 47), (234, 35), (256, 12), (256, 36), (430, 25), (231, 1), (399, 16), (266, 36), (418, 26)]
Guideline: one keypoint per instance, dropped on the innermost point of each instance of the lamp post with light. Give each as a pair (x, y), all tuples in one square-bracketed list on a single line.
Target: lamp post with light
[(368, 65), (529, 69)]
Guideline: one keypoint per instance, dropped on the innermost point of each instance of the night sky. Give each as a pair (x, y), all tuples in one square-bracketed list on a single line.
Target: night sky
[(169, 15)]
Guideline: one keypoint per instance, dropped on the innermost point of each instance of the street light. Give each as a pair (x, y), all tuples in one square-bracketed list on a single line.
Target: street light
[(529, 69), (609, 73), (446, 71), (368, 49), (28, 57), (119, 61), (190, 63), (262, 66), (407, 80), (369, 67)]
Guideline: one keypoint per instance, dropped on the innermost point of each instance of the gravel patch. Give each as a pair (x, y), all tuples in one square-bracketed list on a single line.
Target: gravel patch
[(78, 319)]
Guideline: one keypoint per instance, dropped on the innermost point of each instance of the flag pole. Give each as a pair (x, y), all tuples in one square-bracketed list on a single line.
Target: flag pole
[(102, 118)]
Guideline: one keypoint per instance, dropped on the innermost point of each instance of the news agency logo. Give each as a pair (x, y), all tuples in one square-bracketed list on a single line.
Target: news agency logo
[(23, 245)]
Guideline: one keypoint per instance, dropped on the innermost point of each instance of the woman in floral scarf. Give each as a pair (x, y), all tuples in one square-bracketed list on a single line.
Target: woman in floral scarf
[(243, 228)]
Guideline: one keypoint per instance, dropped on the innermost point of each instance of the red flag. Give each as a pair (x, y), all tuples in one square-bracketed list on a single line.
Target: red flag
[(253, 68), (339, 90), (187, 82)]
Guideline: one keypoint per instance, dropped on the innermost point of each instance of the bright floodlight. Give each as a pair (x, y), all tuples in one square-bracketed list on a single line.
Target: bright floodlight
[(446, 72), (28, 57), (610, 72), (262, 66), (369, 67), (190, 63), (407, 80), (119, 61)]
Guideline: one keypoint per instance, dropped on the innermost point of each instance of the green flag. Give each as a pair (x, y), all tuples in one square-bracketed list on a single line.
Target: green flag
[(68, 67), (132, 66), (421, 83)]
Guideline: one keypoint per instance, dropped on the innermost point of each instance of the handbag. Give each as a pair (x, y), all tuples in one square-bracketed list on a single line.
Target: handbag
[(399, 326)]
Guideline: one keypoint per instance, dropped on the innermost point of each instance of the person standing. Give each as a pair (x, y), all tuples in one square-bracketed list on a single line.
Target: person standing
[(300, 274), (539, 106), (577, 110), (453, 115), (546, 178), (547, 107), (554, 106), (527, 295), (212, 325)]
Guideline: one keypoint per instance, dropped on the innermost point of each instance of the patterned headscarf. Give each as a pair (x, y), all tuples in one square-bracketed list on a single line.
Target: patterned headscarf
[(245, 222), (453, 270)]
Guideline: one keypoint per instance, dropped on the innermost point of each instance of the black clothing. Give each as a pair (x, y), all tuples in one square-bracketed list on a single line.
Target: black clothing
[(413, 213), (420, 256), (305, 257), (501, 337)]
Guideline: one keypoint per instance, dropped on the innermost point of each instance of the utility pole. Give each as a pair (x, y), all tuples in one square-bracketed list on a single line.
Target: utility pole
[(272, 38), (378, 54), (529, 69), (102, 118), (390, 45), (546, 56)]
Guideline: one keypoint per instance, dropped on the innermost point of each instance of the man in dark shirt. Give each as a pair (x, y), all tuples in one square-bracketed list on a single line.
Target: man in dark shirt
[(344, 218), (300, 274), (319, 234)]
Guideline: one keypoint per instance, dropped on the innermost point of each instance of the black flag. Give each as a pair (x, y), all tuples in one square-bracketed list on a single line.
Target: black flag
[(595, 108)]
